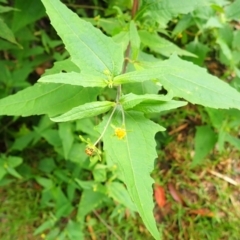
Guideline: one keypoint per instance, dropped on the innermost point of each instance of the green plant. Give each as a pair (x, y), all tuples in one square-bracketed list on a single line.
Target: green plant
[(119, 76)]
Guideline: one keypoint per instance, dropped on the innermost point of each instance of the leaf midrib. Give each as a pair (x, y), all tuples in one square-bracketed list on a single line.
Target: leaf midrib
[(133, 173)]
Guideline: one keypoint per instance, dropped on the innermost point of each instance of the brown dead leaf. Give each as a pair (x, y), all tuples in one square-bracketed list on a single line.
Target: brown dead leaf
[(175, 194), (159, 195), (202, 212)]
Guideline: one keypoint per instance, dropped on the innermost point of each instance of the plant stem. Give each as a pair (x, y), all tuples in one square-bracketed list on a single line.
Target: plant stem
[(119, 88), (107, 226), (106, 126), (127, 52), (135, 8)]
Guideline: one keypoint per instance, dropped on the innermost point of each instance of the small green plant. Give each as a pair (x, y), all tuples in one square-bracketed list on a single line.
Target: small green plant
[(117, 78)]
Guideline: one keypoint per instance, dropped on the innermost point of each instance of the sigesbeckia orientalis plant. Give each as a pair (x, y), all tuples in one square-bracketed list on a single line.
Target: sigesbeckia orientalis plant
[(98, 64)]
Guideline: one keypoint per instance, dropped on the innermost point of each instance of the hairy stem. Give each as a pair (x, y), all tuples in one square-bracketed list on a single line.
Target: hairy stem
[(127, 52), (135, 8)]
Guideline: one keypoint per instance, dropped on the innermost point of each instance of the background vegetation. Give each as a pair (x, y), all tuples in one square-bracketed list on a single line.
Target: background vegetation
[(197, 172)]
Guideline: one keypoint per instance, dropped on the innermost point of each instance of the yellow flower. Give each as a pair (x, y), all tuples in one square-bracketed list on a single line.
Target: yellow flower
[(120, 133)]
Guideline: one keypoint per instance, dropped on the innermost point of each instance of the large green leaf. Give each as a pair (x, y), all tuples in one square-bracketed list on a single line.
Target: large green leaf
[(45, 98), (66, 134), (4, 9), (233, 10), (73, 78), (173, 6), (136, 76), (186, 80), (205, 140), (130, 100), (134, 40), (156, 107), (134, 156), (90, 200), (86, 110), (89, 48), (118, 192), (65, 65), (234, 141), (30, 11), (161, 45), (164, 10), (6, 33)]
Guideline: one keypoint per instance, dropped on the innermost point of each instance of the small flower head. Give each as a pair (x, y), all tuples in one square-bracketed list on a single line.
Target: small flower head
[(120, 133), (93, 151), (90, 151), (43, 236)]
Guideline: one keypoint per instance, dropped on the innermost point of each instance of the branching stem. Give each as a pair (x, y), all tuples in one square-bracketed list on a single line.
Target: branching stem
[(119, 88)]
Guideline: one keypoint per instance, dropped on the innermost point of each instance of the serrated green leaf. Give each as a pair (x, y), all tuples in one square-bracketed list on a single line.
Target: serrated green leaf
[(22, 142), (134, 156), (233, 10), (143, 87), (87, 125), (78, 79), (165, 10), (55, 233), (52, 137), (173, 6), (134, 40), (119, 193), (86, 110), (225, 49), (186, 80), (46, 225), (161, 45), (89, 48), (2, 171), (47, 165), (7, 34), (86, 184), (111, 26), (65, 65), (135, 77), (14, 161), (89, 201), (198, 49), (182, 24), (67, 137), (213, 22), (45, 98), (74, 231), (13, 172), (4, 9), (30, 11), (100, 173), (130, 100), (205, 140), (234, 141), (63, 209), (45, 182), (156, 107)]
